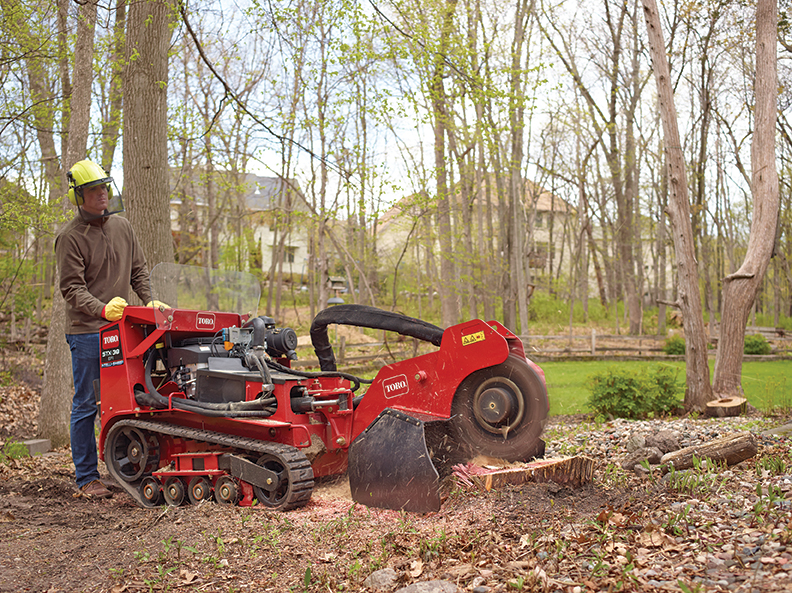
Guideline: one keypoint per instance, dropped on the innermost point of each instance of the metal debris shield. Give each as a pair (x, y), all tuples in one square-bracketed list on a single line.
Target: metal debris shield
[(390, 467)]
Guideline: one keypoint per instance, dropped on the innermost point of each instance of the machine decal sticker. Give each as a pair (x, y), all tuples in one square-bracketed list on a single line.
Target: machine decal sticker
[(204, 321), (473, 338), (111, 354), (395, 386)]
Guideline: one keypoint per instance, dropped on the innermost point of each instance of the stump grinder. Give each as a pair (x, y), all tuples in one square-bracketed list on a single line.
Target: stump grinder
[(198, 400)]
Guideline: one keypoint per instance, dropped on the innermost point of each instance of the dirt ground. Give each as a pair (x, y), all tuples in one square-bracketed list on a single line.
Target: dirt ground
[(51, 541), (621, 532)]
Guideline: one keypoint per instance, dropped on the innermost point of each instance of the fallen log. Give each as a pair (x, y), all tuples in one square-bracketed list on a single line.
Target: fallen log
[(566, 471), (726, 406), (731, 449)]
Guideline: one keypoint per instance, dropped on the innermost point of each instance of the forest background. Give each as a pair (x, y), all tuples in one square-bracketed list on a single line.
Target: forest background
[(452, 116)]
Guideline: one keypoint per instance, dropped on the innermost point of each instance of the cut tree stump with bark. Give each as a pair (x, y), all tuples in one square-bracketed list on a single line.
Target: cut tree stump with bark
[(726, 406), (731, 449), (567, 471)]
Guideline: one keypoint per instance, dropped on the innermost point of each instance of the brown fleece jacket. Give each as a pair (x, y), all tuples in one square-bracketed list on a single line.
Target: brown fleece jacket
[(98, 260)]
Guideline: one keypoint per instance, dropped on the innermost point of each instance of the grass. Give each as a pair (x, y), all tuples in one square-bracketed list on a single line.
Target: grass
[(766, 384)]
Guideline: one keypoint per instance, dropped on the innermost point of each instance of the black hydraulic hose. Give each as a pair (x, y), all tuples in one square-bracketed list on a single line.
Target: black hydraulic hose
[(255, 404), (356, 381), (256, 407), (266, 379), (365, 316), (142, 398)]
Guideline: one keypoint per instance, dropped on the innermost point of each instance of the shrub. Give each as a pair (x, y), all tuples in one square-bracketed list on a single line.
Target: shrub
[(626, 394), (756, 345), (12, 450), (674, 345)]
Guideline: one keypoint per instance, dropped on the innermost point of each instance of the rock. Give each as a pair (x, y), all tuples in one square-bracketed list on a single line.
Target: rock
[(665, 440), (635, 442), (784, 430), (650, 454), (430, 587), (381, 580), (37, 446)]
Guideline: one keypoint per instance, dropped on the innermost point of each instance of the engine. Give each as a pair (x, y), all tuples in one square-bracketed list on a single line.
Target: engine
[(216, 368)]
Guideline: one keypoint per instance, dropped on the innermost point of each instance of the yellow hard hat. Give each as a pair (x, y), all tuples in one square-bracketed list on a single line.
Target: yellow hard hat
[(85, 174)]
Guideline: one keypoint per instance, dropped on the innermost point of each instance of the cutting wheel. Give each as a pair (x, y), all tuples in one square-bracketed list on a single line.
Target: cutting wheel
[(501, 411)]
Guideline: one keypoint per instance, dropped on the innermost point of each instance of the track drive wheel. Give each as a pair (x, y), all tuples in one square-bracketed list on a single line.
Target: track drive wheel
[(129, 452), (199, 489), (226, 490), (294, 480), (174, 491), (150, 492), (501, 411)]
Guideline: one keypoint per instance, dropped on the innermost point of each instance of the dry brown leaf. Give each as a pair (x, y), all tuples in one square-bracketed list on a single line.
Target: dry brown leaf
[(460, 571), (655, 539), (617, 519), (7, 517), (416, 568)]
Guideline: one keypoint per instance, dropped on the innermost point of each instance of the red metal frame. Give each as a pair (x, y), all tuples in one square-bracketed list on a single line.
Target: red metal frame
[(422, 387)]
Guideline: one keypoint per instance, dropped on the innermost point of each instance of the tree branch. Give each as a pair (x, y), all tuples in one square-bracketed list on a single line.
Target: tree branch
[(229, 92), (739, 276), (674, 304)]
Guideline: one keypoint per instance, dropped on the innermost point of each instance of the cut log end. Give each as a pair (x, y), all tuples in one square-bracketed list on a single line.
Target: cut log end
[(726, 406), (730, 449), (572, 472)]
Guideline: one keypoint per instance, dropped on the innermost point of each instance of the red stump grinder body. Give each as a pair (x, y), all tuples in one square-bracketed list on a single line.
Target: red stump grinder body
[(198, 403)]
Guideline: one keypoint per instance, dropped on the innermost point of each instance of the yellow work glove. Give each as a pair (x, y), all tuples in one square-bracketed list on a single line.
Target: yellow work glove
[(114, 309), (158, 305)]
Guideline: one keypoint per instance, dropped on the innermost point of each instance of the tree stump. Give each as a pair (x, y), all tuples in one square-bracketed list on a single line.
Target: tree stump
[(731, 449), (568, 471), (726, 406)]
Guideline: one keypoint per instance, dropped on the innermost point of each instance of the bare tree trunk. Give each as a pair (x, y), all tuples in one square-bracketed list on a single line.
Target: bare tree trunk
[(448, 292), (112, 127), (662, 233), (741, 288), (517, 189), (146, 181), (699, 391), (57, 391)]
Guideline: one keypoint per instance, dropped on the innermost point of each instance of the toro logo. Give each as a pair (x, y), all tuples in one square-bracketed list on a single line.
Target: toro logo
[(109, 340), (395, 386), (204, 321)]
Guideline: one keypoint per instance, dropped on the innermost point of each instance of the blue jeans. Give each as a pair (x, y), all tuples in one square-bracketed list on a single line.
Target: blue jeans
[(85, 368)]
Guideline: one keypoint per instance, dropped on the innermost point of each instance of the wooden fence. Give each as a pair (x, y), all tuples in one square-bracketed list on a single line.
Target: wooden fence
[(591, 346), (348, 354), (604, 346)]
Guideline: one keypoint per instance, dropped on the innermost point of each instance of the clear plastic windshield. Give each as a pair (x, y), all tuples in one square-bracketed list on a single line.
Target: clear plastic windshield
[(202, 289)]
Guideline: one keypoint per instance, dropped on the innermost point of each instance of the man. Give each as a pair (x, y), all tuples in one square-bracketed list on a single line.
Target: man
[(99, 259)]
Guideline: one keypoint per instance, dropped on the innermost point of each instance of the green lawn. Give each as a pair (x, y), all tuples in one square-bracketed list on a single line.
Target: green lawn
[(767, 384)]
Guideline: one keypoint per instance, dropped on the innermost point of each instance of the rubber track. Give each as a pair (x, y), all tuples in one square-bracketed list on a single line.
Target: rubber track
[(300, 471)]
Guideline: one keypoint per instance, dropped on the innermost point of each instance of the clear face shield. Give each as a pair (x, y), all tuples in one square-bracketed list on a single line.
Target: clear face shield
[(97, 204)]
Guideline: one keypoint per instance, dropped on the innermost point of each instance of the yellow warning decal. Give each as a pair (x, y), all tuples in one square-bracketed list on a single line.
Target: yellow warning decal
[(472, 338)]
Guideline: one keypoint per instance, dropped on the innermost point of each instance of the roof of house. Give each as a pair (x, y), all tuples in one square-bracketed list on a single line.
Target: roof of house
[(537, 198), (260, 194)]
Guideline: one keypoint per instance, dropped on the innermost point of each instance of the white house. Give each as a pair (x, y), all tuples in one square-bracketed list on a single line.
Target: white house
[(264, 210)]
